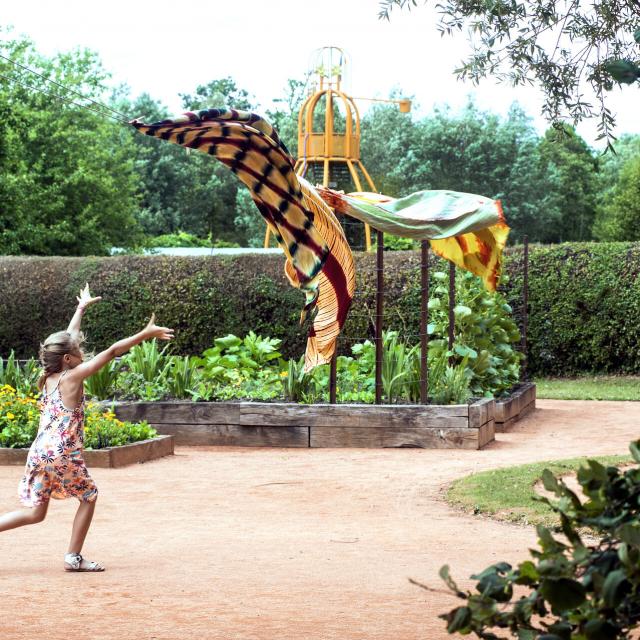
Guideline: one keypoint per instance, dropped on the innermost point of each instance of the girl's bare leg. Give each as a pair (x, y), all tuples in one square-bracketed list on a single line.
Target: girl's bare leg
[(81, 524), (23, 517)]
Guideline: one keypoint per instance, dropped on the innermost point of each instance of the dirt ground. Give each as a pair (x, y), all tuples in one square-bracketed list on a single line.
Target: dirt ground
[(300, 544)]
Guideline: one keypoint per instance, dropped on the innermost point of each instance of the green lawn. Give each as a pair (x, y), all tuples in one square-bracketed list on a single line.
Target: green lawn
[(507, 494), (597, 387)]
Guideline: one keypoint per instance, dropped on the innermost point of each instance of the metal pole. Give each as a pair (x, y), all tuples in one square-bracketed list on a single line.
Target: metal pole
[(424, 321), (525, 296), (332, 378), (379, 310), (452, 304)]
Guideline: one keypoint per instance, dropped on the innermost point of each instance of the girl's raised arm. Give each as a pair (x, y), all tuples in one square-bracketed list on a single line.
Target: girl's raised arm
[(84, 300), (86, 369)]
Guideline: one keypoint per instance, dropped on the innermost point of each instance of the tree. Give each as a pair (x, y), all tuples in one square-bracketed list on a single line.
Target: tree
[(572, 171), (471, 151), (285, 118), (218, 93), (565, 47), (619, 216), (68, 183), (183, 190), (611, 164)]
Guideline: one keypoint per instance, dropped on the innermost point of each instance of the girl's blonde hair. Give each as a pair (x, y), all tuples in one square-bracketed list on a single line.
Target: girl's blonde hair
[(52, 351)]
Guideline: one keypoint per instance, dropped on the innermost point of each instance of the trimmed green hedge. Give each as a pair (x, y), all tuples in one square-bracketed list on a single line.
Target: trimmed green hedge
[(584, 301), (584, 305)]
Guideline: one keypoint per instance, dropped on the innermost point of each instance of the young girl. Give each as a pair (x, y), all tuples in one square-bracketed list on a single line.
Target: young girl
[(55, 467)]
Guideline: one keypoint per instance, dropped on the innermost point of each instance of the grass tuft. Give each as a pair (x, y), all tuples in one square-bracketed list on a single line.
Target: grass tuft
[(507, 494), (595, 387)]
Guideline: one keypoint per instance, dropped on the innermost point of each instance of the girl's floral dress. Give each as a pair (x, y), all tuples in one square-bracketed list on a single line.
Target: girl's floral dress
[(55, 467)]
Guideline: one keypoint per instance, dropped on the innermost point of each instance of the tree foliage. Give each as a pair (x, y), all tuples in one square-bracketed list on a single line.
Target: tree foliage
[(75, 182), (547, 187), (68, 183), (569, 48), (619, 218)]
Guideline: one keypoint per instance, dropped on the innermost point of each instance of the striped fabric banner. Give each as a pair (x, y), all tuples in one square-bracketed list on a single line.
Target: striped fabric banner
[(467, 229), (318, 258)]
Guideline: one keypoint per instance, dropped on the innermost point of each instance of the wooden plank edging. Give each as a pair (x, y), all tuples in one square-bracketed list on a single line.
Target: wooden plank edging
[(110, 457), (510, 410), (280, 424)]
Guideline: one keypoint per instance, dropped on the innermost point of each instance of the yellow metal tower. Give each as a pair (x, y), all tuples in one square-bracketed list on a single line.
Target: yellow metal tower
[(329, 131)]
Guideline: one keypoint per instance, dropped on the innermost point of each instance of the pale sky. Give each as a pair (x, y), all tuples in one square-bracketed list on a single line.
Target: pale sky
[(166, 48)]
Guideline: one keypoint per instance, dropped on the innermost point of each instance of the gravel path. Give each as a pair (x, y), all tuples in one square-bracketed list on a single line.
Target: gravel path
[(299, 544)]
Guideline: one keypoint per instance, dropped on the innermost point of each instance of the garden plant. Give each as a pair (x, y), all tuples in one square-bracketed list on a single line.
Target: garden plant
[(484, 362), (20, 418), (583, 580)]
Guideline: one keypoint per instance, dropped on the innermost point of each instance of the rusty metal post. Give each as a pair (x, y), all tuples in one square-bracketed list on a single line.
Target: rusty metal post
[(525, 318), (452, 304), (333, 366), (424, 322), (379, 310)]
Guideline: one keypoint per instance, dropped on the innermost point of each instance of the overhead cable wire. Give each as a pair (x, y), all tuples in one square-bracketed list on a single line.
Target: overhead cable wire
[(103, 106), (64, 99)]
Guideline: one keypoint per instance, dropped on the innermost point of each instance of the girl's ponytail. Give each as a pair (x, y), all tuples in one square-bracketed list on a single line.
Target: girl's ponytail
[(53, 350)]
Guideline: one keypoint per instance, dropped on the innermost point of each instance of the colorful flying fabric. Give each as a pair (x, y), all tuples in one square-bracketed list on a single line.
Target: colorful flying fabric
[(467, 229), (318, 258)]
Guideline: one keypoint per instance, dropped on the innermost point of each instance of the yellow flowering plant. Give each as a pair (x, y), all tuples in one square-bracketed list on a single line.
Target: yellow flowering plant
[(20, 418)]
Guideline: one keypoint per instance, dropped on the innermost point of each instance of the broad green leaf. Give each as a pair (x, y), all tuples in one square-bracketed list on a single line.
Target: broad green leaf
[(615, 588), (562, 594), (629, 533), (462, 311), (527, 573), (463, 351), (634, 447), (623, 71), (600, 630), (550, 482), (561, 629), (228, 341), (460, 619)]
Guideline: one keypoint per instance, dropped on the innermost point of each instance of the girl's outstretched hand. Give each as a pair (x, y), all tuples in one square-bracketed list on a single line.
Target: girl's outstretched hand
[(85, 299), (153, 331)]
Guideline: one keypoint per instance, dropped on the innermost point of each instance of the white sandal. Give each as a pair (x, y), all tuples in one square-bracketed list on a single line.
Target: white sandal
[(74, 562)]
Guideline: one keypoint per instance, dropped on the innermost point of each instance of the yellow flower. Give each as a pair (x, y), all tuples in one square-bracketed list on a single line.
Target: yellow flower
[(10, 415)]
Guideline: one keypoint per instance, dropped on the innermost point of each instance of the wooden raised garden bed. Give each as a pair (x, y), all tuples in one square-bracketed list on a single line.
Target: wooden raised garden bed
[(122, 456), (280, 424), (509, 410)]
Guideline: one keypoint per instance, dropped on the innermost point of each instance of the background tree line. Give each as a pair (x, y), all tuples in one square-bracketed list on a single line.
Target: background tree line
[(76, 182)]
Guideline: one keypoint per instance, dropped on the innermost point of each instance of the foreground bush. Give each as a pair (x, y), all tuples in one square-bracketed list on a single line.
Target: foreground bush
[(582, 583)]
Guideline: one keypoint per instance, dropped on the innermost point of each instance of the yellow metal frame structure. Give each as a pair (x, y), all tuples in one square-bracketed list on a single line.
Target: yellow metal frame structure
[(329, 147)]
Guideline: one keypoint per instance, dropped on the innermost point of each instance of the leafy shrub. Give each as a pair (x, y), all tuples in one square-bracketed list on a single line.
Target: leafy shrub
[(585, 585), (20, 419), (103, 429), (232, 358), (145, 370), (21, 377), (485, 333), (179, 239), (102, 383)]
